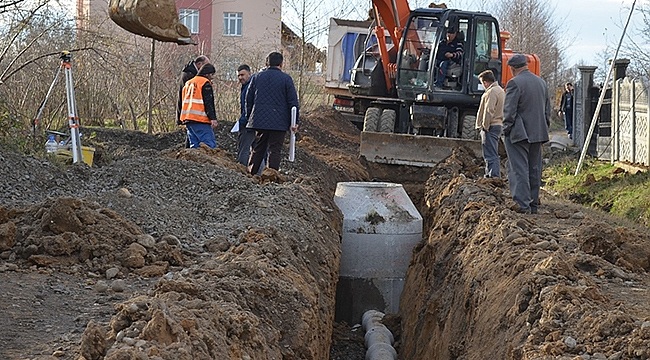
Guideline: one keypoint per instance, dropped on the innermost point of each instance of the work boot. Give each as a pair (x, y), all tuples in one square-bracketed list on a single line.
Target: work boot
[(518, 209)]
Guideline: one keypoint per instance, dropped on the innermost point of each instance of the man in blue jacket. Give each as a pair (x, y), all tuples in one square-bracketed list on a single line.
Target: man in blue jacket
[(271, 95)]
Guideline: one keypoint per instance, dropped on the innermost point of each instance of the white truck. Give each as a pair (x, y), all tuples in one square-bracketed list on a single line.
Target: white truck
[(347, 40)]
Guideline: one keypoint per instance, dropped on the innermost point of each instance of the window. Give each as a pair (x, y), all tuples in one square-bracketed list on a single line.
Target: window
[(190, 18), (232, 24), (486, 54)]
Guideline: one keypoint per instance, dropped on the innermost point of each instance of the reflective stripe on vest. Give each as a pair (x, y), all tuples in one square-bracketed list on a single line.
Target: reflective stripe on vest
[(193, 108)]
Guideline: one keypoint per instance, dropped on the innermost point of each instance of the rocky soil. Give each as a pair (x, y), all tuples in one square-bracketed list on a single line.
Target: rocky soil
[(160, 252)]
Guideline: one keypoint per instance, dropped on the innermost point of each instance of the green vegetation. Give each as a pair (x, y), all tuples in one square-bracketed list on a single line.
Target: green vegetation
[(603, 186)]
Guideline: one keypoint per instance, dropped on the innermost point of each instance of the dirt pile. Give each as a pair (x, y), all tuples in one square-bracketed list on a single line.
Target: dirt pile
[(491, 283), (198, 259)]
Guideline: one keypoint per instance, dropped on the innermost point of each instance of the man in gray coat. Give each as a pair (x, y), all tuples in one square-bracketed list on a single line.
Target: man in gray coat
[(526, 119)]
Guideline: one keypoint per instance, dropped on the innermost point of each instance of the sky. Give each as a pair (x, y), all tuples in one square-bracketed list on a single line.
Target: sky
[(594, 24)]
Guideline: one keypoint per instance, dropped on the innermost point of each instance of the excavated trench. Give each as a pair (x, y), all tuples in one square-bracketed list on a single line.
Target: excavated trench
[(253, 274), (489, 283)]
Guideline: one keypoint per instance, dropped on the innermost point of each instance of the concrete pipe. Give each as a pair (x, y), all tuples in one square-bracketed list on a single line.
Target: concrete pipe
[(378, 338), (381, 351), (371, 318), (378, 333)]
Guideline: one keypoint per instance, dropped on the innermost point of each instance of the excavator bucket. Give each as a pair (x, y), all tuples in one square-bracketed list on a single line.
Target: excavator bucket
[(155, 19), (414, 150)]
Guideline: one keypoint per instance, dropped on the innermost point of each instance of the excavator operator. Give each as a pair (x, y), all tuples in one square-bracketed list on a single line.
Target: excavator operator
[(450, 51)]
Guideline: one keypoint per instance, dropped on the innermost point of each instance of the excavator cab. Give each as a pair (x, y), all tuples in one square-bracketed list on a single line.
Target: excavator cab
[(155, 19), (449, 108), (420, 56)]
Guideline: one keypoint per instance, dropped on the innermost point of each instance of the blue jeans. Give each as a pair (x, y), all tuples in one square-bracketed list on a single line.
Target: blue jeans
[(568, 121), (200, 133), (442, 72), (490, 143)]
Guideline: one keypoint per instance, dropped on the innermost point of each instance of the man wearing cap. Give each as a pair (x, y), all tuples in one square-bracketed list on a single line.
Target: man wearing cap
[(526, 119), (450, 51), (189, 71)]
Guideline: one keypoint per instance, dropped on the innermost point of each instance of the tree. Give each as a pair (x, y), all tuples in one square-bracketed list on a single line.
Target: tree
[(636, 44), (307, 22), (29, 58), (535, 30)]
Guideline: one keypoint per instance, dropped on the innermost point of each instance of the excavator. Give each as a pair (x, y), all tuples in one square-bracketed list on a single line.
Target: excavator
[(406, 119), (155, 19)]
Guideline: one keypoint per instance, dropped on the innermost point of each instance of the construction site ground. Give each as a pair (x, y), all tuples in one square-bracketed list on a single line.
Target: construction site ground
[(161, 252)]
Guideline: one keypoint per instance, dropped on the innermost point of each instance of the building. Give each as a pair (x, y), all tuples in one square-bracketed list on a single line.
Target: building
[(229, 32)]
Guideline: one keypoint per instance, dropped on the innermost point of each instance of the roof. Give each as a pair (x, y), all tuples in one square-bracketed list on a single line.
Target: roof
[(353, 23)]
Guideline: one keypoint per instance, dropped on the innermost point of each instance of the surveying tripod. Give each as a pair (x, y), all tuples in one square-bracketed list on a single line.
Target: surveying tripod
[(73, 119)]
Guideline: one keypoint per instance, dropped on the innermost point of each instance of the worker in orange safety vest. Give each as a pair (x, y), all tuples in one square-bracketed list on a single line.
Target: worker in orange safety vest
[(198, 112)]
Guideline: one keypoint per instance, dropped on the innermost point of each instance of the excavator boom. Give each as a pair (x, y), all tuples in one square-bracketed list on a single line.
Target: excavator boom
[(155, 19), (394, 14)]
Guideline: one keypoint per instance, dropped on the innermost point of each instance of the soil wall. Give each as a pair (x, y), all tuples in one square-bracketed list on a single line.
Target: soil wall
[(489, 283)]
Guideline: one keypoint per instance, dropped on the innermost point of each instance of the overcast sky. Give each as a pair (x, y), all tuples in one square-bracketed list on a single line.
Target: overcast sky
[(594, 24)]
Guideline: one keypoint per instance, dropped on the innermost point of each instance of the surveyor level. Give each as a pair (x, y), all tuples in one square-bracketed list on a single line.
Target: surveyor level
[(73, 120)]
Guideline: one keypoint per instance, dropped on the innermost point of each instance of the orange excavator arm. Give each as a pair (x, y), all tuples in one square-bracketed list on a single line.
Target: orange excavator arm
[(506, 53), (393, 14)]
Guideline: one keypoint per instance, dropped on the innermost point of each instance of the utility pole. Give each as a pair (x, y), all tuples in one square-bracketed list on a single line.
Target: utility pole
[(150, 88)]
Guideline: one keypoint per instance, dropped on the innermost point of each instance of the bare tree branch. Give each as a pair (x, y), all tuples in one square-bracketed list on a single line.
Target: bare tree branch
[(5, 5), (23, 25), (23, 50)]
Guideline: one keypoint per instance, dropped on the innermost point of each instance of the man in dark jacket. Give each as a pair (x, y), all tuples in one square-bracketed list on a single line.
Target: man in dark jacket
[(246, 136), (450, 51), (526, 118), (271, 95), (566, 108), (189, 71)]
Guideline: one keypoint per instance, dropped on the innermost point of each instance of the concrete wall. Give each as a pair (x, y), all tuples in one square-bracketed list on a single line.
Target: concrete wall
[(631, 121)]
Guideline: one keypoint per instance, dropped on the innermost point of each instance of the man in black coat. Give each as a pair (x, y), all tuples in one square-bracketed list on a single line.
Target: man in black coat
[(271, 95), (566, 108)]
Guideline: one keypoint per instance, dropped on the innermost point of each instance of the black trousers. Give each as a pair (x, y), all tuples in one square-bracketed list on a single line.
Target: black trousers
[(270, 141)]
